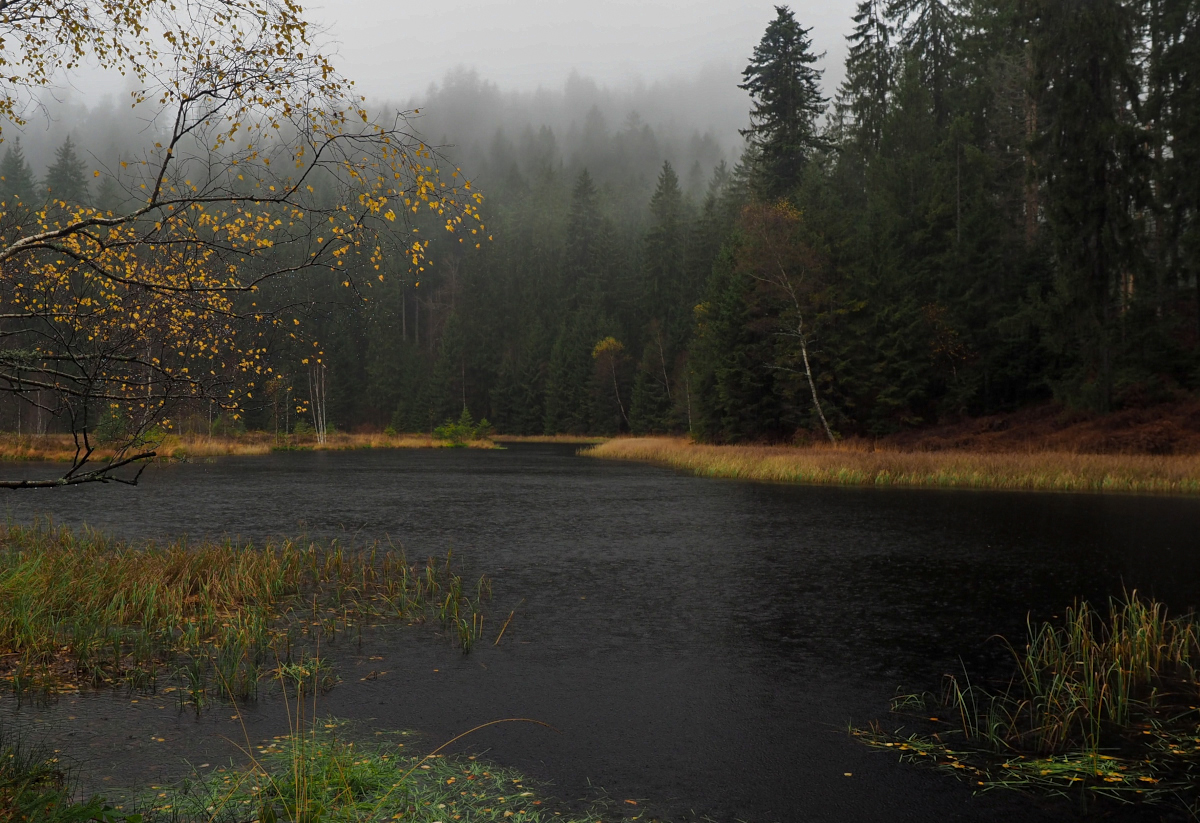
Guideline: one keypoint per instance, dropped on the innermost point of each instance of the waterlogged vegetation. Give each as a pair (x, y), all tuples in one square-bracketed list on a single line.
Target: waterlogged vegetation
[(1100, 705), (79, 609), (861, 464), (320, 771), (35, 786), (323, 773)]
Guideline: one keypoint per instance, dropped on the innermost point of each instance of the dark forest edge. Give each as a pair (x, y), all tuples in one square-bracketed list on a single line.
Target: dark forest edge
[(976, 223), (996, 209)]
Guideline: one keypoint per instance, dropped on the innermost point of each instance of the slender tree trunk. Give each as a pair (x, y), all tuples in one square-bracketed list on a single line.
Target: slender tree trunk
[(812, 384), (617, 391), (1031, 124), (662, 358), (688, 388), (957, 194)]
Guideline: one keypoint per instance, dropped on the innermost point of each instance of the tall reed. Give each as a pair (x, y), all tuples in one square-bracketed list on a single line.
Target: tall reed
[(79, 608), (1102, 703), (1080, 685)]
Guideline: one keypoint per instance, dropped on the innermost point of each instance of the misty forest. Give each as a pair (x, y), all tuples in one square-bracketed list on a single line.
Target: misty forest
[(816, 439), (995, 208)]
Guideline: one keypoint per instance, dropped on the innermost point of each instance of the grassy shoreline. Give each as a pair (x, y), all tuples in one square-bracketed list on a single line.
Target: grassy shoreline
[(569, 439), (860, 465), (60, 447)]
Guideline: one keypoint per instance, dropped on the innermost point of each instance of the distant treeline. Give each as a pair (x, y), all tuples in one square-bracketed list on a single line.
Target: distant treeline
[(997, 207)]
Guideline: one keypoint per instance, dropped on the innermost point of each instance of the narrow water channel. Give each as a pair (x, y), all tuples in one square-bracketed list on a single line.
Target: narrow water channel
[(700, 646)]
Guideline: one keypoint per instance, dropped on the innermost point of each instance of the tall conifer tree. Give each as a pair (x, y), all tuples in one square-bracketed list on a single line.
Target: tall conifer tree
[(786, 94), (1092, 160), (870, 68), (929, 32), (16, 177), (65, 179), (664, 245)]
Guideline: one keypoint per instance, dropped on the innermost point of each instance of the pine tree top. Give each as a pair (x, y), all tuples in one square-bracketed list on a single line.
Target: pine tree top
[(66, 178), (16, 177), (786, 94)]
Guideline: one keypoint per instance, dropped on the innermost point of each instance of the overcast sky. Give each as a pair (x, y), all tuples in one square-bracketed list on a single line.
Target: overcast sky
[(396, 49), (674, 61)]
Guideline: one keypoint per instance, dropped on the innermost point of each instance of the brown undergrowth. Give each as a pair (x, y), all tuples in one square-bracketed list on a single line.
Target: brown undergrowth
[(1164, 428), (862, 464)]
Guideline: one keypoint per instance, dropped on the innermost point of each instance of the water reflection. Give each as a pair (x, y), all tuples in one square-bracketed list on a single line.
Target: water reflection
[(699, 643)]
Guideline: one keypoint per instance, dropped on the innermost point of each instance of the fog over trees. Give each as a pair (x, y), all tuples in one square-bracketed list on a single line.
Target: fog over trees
[(994, 208)]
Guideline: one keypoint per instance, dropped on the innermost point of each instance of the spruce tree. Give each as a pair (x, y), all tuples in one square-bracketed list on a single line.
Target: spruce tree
[(584, 230), (16, 177), (786, 94), (870, 69), (930, 32), (109, 196), (1175, 110), (569, 401), (651, 406), (1091, 156), (664, 254), (66, 178)]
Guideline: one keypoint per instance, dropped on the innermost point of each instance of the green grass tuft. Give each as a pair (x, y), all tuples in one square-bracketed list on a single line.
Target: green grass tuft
[(322, 774)]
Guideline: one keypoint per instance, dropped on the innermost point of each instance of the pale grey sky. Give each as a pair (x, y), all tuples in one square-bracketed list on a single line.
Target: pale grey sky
[(396, 49), (670, 61)]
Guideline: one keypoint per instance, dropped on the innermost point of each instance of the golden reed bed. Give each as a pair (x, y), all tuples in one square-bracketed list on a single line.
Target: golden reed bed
[(569, 439), (855, 465), (59, 447)]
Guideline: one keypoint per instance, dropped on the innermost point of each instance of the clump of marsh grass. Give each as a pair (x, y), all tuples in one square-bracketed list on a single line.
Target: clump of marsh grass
[(34, 785), (81, 609), (854, 464), (1103, 704), (322, 773)]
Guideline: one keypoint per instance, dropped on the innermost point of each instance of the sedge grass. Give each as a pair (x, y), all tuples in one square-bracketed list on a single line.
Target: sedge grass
[(34, 786), (568, 439), (858, 465), (1106, 705), (61, 448), (79, 609)]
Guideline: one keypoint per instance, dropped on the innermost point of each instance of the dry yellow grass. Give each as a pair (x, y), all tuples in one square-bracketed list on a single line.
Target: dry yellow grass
[(59, 447), (573, 439), (856, 465)]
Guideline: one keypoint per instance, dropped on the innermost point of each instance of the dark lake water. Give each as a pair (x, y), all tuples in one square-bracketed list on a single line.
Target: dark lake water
[(700, 645)]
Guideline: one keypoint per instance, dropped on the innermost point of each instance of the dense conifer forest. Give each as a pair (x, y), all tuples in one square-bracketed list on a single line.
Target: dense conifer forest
[(997, 207)]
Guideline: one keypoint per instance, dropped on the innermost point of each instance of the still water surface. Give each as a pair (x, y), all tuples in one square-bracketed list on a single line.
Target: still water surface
[(699, 645)]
